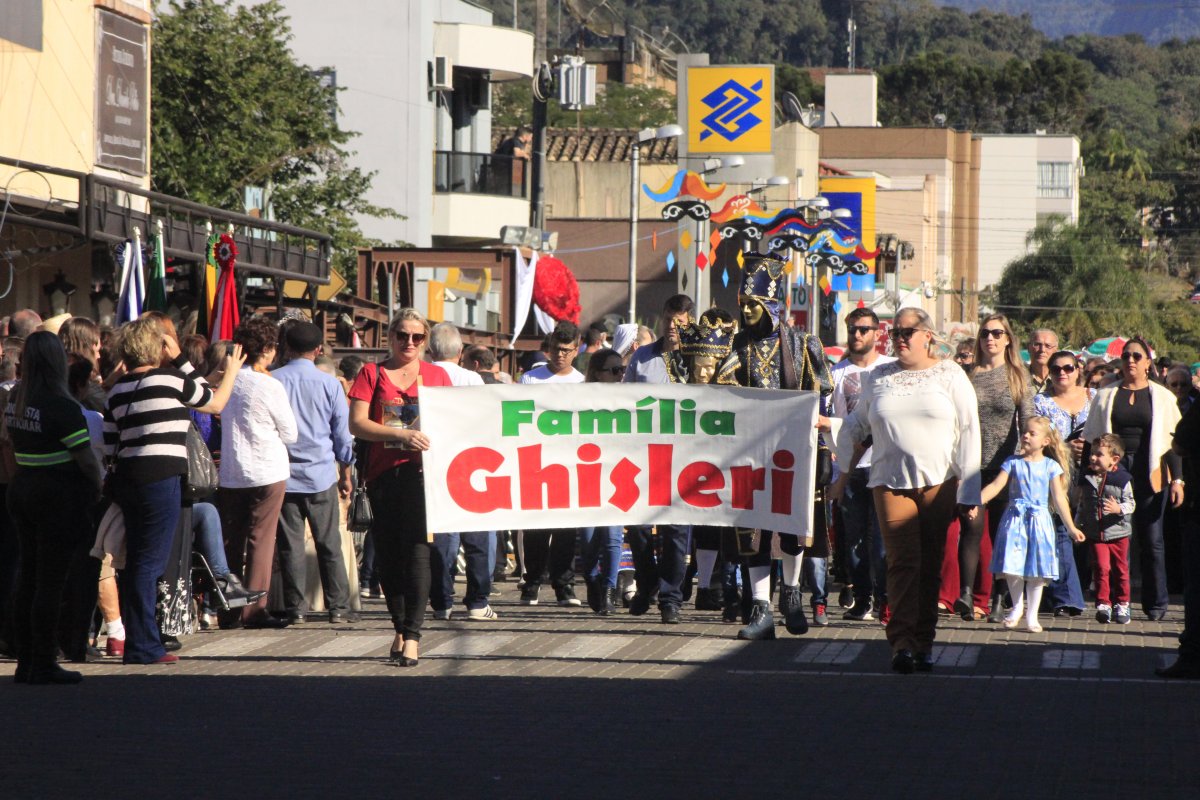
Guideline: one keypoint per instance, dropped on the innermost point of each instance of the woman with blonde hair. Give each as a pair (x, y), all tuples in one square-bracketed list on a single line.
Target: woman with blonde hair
[(389, 392), (922, 419), (145, 428), (1005, 401)]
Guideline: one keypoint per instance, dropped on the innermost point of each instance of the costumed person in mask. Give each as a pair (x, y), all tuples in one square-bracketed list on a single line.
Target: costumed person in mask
[(770, 355), (706, 347)]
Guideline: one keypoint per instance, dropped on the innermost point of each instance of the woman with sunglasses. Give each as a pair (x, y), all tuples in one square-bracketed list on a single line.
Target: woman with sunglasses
[(1144, 414), (921, 417), (1065, 402), (600, 548), (393, 474), (1005, 401)]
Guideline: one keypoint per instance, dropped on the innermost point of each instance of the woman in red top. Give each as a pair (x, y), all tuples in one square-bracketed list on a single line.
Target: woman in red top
[(383, 395)]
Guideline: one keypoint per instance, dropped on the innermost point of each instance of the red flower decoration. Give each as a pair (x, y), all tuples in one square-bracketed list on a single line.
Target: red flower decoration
[(555, 290), (226, 251)]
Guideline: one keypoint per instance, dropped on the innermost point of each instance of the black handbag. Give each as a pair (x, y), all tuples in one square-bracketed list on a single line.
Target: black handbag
[(202, 477), (361, 515)]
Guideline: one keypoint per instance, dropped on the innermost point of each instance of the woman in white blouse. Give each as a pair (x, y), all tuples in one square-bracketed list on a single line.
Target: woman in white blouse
[(256, 428), (920, 416)]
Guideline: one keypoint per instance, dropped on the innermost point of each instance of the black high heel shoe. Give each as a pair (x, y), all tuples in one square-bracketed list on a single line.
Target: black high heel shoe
[(398, 658)]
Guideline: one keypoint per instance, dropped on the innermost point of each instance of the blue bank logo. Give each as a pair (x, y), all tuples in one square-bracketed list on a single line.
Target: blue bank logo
[(732, 107)]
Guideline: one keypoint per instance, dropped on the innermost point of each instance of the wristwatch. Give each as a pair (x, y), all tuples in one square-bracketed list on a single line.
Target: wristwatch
[(1178, 481)]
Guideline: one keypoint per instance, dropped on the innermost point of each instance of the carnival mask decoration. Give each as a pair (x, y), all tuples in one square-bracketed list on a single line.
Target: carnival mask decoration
[(763, 284)]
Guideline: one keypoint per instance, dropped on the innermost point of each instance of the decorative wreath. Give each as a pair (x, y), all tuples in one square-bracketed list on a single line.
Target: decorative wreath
[(226, 251), (555, 290)]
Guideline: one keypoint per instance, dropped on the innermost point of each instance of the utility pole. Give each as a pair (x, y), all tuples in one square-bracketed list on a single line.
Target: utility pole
[(537, 203)]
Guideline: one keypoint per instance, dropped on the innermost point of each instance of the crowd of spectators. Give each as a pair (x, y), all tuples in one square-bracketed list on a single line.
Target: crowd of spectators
[(966, 481)]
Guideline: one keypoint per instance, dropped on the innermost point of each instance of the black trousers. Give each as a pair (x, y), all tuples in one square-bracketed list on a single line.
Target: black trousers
[(402, 545), (50, 510), (553, 548)]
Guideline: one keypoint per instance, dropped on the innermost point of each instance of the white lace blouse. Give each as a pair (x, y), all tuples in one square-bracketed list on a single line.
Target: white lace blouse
[(924, 426)]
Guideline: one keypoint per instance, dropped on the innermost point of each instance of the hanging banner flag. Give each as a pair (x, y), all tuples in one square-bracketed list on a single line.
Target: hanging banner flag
[(210, 280), (226, 316), (567, 456), (156, 290), (133, 282)]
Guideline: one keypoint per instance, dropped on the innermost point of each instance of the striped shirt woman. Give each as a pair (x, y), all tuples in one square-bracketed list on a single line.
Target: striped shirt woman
[(145, 427)]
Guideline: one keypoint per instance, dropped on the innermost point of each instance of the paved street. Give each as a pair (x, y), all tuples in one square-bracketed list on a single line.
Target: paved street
[(560, 703)]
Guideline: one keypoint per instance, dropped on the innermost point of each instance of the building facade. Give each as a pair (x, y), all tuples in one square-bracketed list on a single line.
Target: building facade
[(415, 82)]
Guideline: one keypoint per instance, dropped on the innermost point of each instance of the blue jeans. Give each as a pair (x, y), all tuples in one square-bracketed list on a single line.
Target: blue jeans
[(866, 558), (813, 571), (479, 547), (601, 553), (663, 572), (1065, 592), (209, 541), (151, 515)]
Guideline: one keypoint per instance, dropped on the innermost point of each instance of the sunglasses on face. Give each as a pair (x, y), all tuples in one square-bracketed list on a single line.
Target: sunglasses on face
[(1132, 356), (563, 351), (1177, 385), (905, 333), (962, 356), (613, 370), (992, 333), (404, 337), (860, 330), (1059, 369)]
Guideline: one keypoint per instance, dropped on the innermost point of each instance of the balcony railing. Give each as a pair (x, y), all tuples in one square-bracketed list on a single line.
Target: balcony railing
[(479, 173)]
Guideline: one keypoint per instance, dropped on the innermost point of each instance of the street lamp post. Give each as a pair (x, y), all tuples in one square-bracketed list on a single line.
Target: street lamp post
[(643, 136)]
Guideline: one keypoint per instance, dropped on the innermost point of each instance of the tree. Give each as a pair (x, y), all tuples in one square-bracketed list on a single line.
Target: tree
[(233, 109), (617, 106), (1079, 285)]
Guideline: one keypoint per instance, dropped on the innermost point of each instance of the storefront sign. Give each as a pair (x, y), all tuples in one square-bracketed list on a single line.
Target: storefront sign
[(122, 94), (578, 455)]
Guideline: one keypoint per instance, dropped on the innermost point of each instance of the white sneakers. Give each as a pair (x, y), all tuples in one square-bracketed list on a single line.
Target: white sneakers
[(441, 613), (482, 614)]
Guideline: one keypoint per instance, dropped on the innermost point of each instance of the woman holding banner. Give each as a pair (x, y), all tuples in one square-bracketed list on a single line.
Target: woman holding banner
[(383, 410), (920, 415)]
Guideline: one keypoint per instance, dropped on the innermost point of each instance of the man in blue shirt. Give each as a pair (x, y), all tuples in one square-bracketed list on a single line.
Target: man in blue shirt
[(320, 461)]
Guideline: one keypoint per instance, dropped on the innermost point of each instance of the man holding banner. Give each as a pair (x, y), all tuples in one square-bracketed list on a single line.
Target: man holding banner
[(661, 362), (557, 545)]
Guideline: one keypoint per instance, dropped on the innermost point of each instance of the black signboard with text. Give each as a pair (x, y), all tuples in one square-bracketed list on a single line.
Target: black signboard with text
[(122, 94)]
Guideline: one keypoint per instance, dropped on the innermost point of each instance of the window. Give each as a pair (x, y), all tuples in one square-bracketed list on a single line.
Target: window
[(1055, 179)]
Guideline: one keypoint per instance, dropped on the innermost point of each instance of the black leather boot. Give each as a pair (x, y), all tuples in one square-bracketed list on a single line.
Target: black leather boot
[(235, 594), (964, 605), (791, 607), (609, 603), (762, 623)]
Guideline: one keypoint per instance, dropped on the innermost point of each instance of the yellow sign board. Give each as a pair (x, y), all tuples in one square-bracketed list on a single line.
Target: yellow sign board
[(295, 289), (730, 109)]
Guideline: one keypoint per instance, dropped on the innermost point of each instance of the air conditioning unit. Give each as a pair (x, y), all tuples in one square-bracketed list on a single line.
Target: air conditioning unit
[(443, 74)]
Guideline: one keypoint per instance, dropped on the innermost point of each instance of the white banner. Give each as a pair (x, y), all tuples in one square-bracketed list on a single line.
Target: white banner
[(523, 457)]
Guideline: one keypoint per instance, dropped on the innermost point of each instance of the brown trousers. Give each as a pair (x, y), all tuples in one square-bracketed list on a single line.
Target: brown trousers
[(249, 518), (913, 523)]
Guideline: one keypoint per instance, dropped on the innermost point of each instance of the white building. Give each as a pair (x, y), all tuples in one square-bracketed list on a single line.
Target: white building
[(1022, 180), (415, 80)]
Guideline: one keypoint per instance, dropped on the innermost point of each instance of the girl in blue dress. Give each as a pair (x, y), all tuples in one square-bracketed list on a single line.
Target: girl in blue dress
[(1024, 552)]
